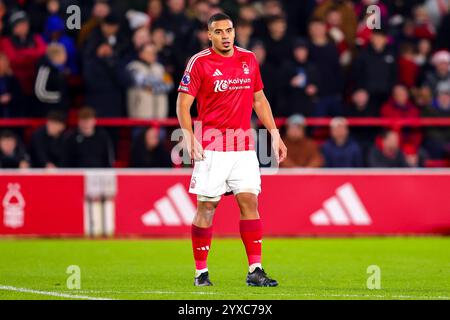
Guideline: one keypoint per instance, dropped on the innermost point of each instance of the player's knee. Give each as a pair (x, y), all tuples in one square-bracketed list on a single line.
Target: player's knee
[(206, 209), (248, 205)]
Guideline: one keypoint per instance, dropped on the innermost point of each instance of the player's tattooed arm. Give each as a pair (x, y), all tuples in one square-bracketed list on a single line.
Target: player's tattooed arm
[(264, 112), (184, 104)]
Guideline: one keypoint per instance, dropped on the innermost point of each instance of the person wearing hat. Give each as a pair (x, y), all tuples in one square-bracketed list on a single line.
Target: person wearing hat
[(303, 151), (441, 73), (23, 50), (300, 82), (437, 139)]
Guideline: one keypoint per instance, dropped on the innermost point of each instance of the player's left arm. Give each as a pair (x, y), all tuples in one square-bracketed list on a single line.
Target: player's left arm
[(264, 112)]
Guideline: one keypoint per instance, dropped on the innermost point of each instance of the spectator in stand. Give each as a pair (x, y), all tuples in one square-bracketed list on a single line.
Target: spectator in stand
[(269, 75), (3, 18), (443, 35), (12, 153), (147, 96), (437, 139), (386, 153), (375, 68), (47, 142), (335, 31), (278, 43), (200, 40), (324, 54), (176, 23), (141, 36), (341, 151), (415, 157), (88, 146), (346, 11), (303, 151), (148, 151), (201, 13), (441, 72), (103, 70), (155, 10), (51, 87), (10, 94), (55, 33), (100, 11), (23, 50), (423, 28), (301, 82), (244, 32), (408, 68), (399, 105), (361, 105)]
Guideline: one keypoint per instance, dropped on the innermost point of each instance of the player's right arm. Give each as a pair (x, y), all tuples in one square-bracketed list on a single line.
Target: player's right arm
[(184, 104)]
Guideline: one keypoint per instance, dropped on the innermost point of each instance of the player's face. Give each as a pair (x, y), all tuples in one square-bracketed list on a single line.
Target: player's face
[(221, 34)]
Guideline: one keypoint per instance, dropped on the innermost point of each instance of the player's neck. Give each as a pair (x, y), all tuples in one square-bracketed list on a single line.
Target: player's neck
[(224, 54)]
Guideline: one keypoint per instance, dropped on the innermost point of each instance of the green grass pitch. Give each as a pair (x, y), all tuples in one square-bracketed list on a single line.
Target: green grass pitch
[(411, 268)]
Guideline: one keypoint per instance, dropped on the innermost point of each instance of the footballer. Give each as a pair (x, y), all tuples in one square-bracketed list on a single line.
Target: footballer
[(226, 81)]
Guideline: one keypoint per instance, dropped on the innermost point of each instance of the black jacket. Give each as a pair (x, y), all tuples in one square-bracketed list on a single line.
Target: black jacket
[(45, 149), (95, 151), (295, 99), (51, 89), (326, 58), (103, 76), (142, 157), (375, 71)]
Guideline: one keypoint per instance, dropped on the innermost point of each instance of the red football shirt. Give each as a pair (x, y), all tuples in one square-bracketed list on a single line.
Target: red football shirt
[(224, 88)]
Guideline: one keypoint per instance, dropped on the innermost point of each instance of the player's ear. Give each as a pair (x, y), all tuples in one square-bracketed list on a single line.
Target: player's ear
[(209, 35)]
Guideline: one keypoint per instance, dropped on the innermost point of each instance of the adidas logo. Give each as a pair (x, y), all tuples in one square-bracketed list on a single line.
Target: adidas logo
[(344, 209), (257, 241), (176, 209), (203, 248), (217, 73)]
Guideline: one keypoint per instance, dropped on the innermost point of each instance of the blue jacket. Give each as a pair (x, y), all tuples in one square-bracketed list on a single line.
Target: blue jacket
[(346, 156)]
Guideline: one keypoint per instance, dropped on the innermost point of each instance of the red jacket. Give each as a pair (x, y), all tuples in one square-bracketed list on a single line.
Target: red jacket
[(408, 72), (390, 110), (23, 61)]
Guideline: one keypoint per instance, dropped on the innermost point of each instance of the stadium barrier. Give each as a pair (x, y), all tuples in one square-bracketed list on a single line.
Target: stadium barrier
[(173, 122), (294, 202)]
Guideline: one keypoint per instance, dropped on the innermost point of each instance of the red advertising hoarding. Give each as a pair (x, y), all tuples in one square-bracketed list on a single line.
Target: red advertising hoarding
[(295, 203), (292, 203), (41, 204)]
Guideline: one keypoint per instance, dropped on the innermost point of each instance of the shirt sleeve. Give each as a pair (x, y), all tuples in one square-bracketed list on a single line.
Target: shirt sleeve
[(192, 78), (258, 80)]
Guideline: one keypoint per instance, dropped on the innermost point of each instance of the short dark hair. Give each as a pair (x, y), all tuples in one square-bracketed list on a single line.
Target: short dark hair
[(218, 17), (56, 116), (316, 20), (86, 113), (7, 134)]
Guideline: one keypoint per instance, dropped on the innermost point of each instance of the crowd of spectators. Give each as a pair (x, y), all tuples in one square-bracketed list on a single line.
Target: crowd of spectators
[(318, 58)]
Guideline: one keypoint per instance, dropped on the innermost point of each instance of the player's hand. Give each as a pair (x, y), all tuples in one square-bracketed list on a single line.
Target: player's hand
[(280, 149), (195, 150)]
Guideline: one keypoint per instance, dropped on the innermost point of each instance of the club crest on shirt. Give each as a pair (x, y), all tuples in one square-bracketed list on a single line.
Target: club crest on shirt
[(193, 183), (186, 79), (245, 68)]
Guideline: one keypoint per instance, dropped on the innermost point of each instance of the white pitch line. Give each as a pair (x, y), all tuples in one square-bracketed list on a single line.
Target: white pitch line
[(50, 293), (335, 295)]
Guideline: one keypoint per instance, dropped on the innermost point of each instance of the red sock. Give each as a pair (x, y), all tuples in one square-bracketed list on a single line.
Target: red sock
[(201, 242), (251, 234)]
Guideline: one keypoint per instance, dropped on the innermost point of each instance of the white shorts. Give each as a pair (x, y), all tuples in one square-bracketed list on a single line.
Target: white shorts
[(221, 172)]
